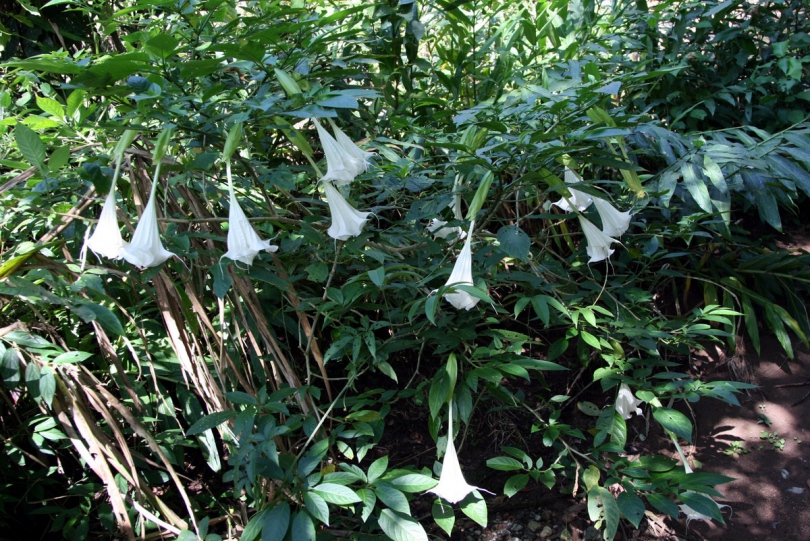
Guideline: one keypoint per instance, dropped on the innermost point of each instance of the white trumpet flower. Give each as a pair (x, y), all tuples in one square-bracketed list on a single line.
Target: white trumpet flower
[(361, 157), (106, 240), (614, 222), (627, 403), (145, 248), (341, 165), (452, 487), (243, 241), (462, 275), (437, 227), (579, 200), (598, 243), (347, 221)]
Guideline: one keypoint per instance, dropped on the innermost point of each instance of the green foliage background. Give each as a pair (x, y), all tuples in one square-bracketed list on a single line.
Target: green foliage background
[(280, 377)]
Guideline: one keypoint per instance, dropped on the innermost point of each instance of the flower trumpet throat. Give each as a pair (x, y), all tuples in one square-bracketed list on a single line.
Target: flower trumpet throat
[(614, 222), (578, 200)]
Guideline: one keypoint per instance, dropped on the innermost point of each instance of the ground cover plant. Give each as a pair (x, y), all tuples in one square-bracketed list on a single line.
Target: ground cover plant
[(240, 238)]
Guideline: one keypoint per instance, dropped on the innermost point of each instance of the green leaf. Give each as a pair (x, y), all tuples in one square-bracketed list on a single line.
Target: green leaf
[(59, 158), (10, 368), (515, 484), (600, 496), (590, 477), (105, 317), (32, 376), (222, 280), (480, 196), (392, 497), (316, 506), (51, 106), (47, 385), (254, 526), (369, 501), (289, 84), (443, 515), (664, 505), (337, 494), (276, 522), (377, 276), (303, 529), (504, 463), (439, 393), (514, 242), (631, 507), (413, 482), (475, 507), (210, 422), (71, 357), (234, 138), (693, 179), (674, 421), (31, 146), (702, 504), (162, 45), (401, 527), (377, 468)]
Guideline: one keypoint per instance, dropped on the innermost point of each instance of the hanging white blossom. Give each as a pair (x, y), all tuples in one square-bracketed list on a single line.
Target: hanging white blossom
[(361, 159), (462, 275), (614, 222), (341, 166), (106, 240), (243, 241), (452, 487), (627, 403), (347, 221), (579, 200), (598, 247), (145, 248)]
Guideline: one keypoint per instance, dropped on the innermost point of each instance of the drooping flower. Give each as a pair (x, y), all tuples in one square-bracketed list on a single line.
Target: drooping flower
[(145, 248), (579, 200), (106, 240), (598, 243), (341, 165), (437, 227), (361, 157), (462, 275), (347, 221), (614, 222), (243, 241), (452, 486), (627, 403)]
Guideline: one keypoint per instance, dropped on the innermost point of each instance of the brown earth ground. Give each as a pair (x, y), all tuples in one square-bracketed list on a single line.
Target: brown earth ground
[(769, 500)]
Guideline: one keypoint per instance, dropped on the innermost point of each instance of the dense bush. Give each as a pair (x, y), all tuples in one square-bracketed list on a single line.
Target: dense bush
[(493, 125)]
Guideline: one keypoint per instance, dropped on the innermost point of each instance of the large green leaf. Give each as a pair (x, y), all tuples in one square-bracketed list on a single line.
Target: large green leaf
[(674, 421), (31, 146), (401, 527)]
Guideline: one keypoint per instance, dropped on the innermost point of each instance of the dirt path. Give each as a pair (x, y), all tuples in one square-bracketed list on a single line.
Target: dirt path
[(770, 498)]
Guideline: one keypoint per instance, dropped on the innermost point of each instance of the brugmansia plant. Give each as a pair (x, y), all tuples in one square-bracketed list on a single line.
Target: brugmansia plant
[(160, 391)]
